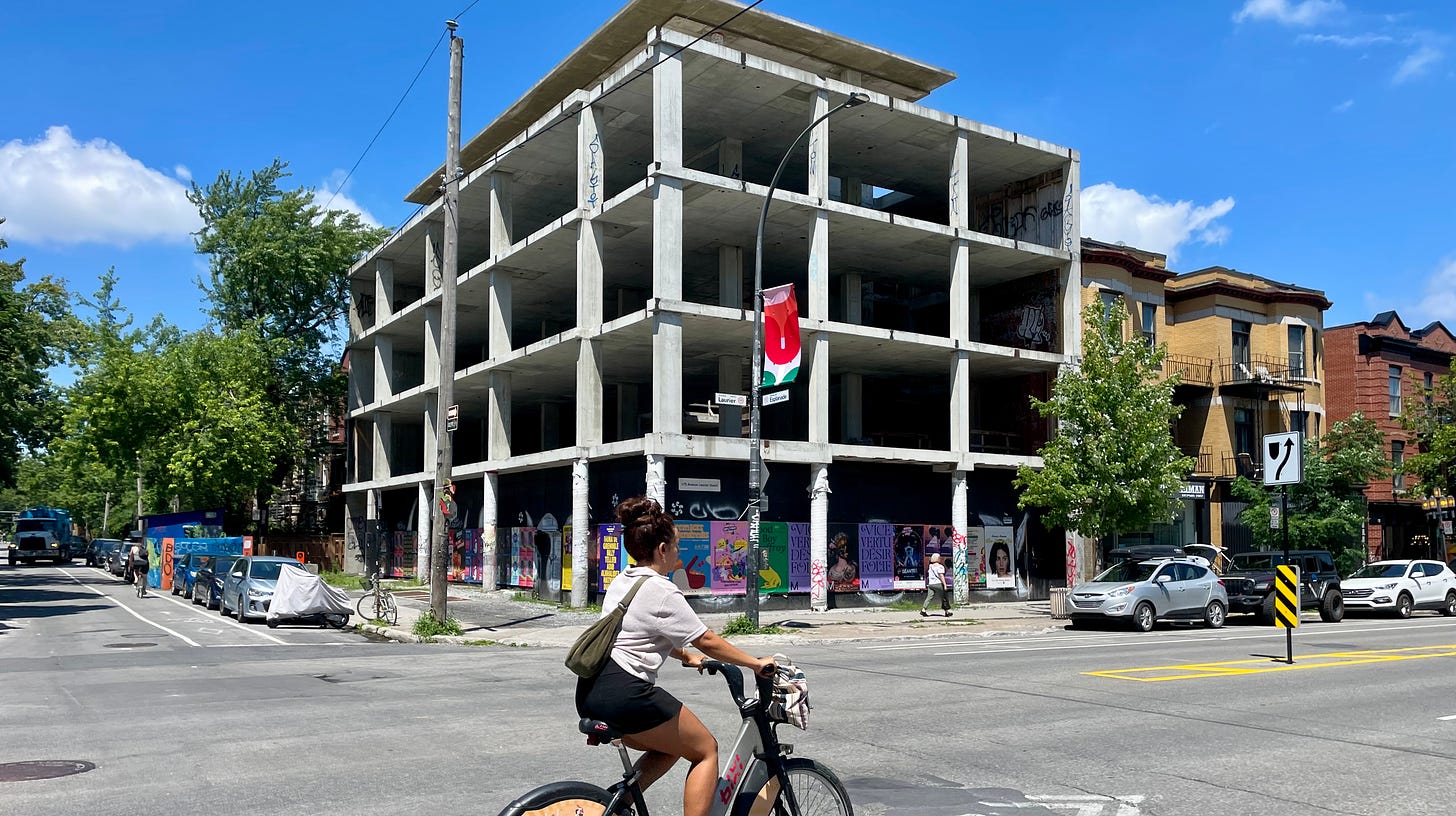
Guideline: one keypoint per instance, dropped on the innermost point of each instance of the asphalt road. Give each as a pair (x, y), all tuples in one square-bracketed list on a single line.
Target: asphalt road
[(187, 712)]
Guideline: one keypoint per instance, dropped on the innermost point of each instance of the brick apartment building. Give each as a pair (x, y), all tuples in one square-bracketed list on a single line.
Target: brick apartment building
[(1377, 367)]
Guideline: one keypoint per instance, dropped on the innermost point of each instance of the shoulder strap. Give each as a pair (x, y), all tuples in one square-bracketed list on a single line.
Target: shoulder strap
[(631, 593)]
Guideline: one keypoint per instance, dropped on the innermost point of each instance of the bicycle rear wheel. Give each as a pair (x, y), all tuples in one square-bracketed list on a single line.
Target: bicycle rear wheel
[(563, 799), (387, 610), (817, 791)]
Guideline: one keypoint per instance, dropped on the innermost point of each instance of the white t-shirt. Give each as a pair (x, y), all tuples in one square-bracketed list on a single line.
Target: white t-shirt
[(935, 579), (658, 621)]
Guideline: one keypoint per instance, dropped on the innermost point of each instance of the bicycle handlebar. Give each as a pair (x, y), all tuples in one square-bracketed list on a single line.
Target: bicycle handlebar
[(733, 675)]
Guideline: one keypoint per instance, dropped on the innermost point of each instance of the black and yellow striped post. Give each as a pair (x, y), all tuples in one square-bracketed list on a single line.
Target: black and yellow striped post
[(1286, 603)]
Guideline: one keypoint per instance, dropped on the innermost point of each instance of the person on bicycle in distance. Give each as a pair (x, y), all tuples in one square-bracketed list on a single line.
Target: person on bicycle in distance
[(138, 563), (658, 623)]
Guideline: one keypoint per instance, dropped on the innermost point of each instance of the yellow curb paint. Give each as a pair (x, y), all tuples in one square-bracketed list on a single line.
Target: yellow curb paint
[(1195, 671)]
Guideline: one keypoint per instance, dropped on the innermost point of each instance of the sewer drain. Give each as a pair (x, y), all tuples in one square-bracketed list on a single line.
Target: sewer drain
[(127, 645), (43, 769)]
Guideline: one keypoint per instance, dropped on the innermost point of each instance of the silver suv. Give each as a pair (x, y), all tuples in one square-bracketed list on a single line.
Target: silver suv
[(1145, 592)]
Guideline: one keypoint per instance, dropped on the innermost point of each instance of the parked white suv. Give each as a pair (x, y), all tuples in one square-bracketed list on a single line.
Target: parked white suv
[(1401, 587)]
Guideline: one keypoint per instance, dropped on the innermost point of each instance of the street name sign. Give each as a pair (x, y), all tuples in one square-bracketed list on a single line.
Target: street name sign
[(776, 397), (1283, 458), (737, 400)]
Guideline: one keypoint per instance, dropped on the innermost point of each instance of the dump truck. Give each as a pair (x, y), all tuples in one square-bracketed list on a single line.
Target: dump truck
[(42, 533)]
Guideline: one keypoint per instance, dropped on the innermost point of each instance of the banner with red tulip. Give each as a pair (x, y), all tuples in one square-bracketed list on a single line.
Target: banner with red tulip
[(781, 347)]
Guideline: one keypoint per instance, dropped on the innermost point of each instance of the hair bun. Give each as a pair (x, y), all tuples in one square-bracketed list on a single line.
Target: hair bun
[(638, 510)]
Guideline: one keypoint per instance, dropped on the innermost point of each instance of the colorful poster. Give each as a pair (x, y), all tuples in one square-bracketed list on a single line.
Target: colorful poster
[(566, 546), (611, 555), (975, 557), (695, 548), (402, 555), (774, 539), (843, 556), (876, 557), (1000, 558), (910, 556), (730, 556), (798, 557), (465, 556)]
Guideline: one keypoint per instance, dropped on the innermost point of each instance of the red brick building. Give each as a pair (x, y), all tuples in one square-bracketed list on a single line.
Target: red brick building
[(1379, 367)]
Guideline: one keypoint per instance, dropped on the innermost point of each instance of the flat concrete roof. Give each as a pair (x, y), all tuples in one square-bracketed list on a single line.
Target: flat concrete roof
[(786, 41)]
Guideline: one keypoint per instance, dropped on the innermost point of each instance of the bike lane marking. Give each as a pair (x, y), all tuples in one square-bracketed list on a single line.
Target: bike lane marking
[(189, 641), (1235, 668), (222, 620)]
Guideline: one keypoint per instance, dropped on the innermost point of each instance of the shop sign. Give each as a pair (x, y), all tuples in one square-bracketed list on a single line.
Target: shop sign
[(1194, 490)]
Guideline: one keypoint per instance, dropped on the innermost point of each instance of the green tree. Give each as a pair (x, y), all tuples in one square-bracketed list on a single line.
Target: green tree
[(29, 346), (1326, 509), (1112, 465), (1434, 424)]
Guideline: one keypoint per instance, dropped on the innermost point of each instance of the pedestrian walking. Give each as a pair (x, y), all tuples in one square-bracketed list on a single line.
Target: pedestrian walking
[(935, 583)]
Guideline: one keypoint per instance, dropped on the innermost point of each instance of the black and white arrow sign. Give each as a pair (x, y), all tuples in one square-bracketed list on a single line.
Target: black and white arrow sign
[(1283, 458)]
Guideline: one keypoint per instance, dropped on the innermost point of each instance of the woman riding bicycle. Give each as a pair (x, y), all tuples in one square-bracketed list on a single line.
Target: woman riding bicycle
[(658, 623)]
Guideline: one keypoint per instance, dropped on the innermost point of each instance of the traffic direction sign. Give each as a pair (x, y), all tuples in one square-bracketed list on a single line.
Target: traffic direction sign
[(1283, 458)]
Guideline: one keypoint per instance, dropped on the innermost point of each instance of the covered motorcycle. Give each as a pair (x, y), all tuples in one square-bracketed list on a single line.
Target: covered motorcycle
[(302, 597)]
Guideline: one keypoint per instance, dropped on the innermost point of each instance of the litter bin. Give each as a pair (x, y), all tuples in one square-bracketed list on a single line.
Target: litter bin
[(1060, 609)]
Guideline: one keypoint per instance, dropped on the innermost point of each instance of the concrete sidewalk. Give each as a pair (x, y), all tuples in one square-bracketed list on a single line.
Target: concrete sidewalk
[(497, 617)]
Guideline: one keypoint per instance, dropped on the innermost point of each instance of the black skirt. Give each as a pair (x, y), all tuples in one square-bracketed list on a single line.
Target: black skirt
[(624, 701)]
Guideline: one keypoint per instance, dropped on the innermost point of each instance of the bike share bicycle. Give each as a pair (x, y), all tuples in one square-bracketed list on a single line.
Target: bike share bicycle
[(378, 603), (760, 777)]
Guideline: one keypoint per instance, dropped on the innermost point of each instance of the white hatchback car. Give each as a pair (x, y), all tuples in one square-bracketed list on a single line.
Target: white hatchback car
[(1401, 587)]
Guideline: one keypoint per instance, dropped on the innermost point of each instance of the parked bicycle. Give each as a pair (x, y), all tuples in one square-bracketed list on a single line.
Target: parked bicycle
[(760, 777), (378, 603)]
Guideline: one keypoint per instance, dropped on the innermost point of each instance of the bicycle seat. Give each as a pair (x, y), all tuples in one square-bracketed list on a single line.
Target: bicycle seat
[(598, 732)]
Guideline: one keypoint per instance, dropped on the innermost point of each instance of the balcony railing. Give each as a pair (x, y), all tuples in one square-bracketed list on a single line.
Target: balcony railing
[(1241, 464), (1191, 370), (1259, 369), (1204, 464)]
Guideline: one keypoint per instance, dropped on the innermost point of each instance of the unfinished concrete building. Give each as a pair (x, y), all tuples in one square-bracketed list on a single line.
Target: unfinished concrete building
[(608, 221)]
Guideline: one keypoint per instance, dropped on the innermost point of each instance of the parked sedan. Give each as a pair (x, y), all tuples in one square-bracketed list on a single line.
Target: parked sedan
[(184, 573), (207, 586), (98, 551), (1144, 592), (1401, 587), (247, 589), (116, 560)]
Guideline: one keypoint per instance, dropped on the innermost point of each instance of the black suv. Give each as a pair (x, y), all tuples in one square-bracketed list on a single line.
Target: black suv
[(1249, 580)]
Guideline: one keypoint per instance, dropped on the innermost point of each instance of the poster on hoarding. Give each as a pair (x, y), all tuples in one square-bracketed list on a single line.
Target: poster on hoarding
[(730, 557), (566, 546), (1000, 557), (611, 554), (876, 557), (774, 539), (843, 558), (910, 556), (798, 557), (695, 548)]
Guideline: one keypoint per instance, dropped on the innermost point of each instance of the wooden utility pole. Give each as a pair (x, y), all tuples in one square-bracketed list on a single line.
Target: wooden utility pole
[(444, 450)]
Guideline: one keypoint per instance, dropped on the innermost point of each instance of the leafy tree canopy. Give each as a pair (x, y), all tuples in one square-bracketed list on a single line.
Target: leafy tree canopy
[(1112, 465), (1326, 509), (30, 343), (1434, 424)]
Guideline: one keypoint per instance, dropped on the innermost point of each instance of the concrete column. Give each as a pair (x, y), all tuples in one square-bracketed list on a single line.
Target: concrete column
[(501, 214), (589, 393), (667, 400), (383, 290), (667, 92), (819, 538), (818, 294), (361, 307), (627, 410), (489, 513), (853, 284), (730, 158), (434, 255), (361, 377), (383, 436), (667, 240), (960, 551), (730, 294), (960, 291), (498, 422), (580, 526), (550, 425), (383, 367), (432, 346), (852, 191), (960, 402), (851, 405), (656, 488), (590, 163), (499, 341), (423, 538), (433, 422), (356, 527), (960, 181), (373, 500), (1071, 277), (818, 348)]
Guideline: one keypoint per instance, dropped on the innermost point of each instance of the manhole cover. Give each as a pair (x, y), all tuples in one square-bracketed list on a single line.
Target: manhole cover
[(127, 645), (43, 769)]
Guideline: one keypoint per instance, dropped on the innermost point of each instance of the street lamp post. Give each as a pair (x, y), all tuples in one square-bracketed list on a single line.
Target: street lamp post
[(1440, 509), (755, 440)]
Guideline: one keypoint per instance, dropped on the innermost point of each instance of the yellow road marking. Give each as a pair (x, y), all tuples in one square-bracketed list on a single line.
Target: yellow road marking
[(1231, 668)]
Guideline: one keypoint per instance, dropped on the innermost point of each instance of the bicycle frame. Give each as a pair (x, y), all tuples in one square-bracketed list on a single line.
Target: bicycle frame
[(753, 775)]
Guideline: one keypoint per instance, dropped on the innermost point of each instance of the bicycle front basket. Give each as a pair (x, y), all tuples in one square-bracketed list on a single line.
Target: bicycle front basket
[(789, 702)]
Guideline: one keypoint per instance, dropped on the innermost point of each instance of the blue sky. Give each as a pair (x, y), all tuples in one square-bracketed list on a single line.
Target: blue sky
[(1309, 142)]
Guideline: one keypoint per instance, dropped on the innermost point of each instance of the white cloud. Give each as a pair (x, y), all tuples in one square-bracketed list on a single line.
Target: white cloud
[(1284, 12), (330, 195), (1417, 63), (1439, 301), (61, 191), (1344, 106), (1110, 213), (1357, 41), (182, 173)]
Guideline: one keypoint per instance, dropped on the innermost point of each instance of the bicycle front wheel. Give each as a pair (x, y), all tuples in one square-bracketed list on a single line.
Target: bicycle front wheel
[(562, 799), (365, 608), (387, 610), (816, 791)]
